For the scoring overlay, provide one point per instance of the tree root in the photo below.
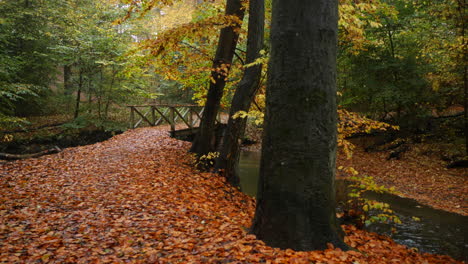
(6, 156)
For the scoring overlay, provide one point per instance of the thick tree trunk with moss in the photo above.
(230, 148)
(296, 195)
(204, 142)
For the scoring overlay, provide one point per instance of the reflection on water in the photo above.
(249, 166)
(437, 232)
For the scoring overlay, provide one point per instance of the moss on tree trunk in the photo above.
(296, 195)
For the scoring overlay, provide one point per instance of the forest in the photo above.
(233, 131)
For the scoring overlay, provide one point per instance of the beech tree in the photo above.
(245, 92)
(221, 64)
(296, 193)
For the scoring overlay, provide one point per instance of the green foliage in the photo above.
(371, 211)
(85, 121)
(26, 62)
(78, 123)
(408, 66)
(39, 38)
(10, 122)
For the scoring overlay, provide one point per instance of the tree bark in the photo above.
(67, 85)
(296, 193)
(245, 92)
(6, 156)
(204, 142)
(78, 95)
(462, 24)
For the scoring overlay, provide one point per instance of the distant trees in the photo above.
(93, 52)
(411, 64)
(43, 41)
(296, 193)
(25, 59)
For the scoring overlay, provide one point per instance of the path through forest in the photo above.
(136, 198)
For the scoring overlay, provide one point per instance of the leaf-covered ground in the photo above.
(415, 176)
(136, 199)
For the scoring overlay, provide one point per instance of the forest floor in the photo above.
(419, 173)
(136, 198)
(415, 175)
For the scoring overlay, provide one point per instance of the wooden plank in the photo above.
(190, 117)
(143, 116)
(141, 120)
(175, 116)
(181, 116)
(199, 114)
(175, 105)
(185, 113)
(163, 115)
(153, 116)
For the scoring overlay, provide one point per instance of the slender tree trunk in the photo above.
(462, 23)
(67, 85)
(204, 142)
(78, 94)
(108, 99)
(245, 92)
(89, 95)
(296, 193)
(465, 115)
(465, 83)
(99, 93)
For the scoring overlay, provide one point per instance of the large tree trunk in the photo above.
(204, 142)
(296, 193)
(245, 92)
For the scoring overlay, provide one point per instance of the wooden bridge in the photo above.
(172, 114)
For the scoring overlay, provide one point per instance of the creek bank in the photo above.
(423, 228)
(43, 140)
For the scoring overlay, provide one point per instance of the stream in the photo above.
(437, 231)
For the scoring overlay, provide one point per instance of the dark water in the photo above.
(437, 232)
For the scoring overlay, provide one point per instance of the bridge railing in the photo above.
(157, 114)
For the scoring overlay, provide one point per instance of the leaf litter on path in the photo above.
(136, 198)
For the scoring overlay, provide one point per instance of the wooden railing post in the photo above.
(172, 117)
(153, 116)
(190, 117)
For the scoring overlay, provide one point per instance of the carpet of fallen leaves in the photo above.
(415, 176)
(136, 199)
